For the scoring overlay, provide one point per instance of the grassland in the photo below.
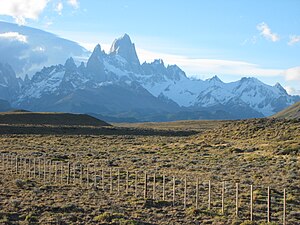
(262, 152)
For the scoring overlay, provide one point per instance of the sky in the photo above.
(230, 39)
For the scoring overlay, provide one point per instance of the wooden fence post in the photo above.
(164, 184)
(50, 170)
(3, 162)
(74, 172)
(209, 195)
(102, 179)
(185, 192)
(197, 192)
(154, 186)
(10, 164)
(284, 207)
(29, 168)
(111, 180)
(40, 174)
(173, 190)
(81, 174)
(34, 168)
(7, 164)
(21, 166)
(251, 202)
(55, 174)
(127, 181)
(146, 186)
(237, 200)
(17, 165)
(69, 173)
(269, 206)
(61, 172)
(44, 170)
(95, 175)
(118, 187)
(136, 183)
(87, 175)
(223, 196)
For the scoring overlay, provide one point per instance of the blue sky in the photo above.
(231, 39)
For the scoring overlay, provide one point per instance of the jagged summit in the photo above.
(95, 64)
(115, 83)
(97, 50)
(280, 88)
(70, 64)
(215, 80)
(126, 49)
(250, 80)
(158, 61)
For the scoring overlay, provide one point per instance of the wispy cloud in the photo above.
(291, 90)
(21, 10)
(292, 74)
(294, 39)
(266, 32)
(74, 3)
(14, 36)
(200, 66)
(59, 7)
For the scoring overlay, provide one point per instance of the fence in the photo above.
(255, 203)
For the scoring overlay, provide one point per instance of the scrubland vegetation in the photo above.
(258, 152)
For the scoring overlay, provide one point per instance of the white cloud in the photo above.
(200, 66)
(291, 90)
(59, 7)
(292, 74)
(74, 3)
(14, 36)
(21, 10)
(294, 39)
(266, 32)
(89, 46)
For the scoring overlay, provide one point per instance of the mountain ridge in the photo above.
(116, 84)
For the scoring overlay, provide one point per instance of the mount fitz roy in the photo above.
(115, 86)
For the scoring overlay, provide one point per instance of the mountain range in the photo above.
(115, 86)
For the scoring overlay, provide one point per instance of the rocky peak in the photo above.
(215, 81)
(9, 83)
(175, 73)
(126, 49)
(280, 88)
(70, 65)
(95, 66)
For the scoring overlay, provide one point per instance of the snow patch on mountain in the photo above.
(121, 71)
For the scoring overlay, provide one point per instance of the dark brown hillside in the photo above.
(47, 118)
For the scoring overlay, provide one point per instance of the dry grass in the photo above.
(259, 152)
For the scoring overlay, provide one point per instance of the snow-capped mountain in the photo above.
(116, 84)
